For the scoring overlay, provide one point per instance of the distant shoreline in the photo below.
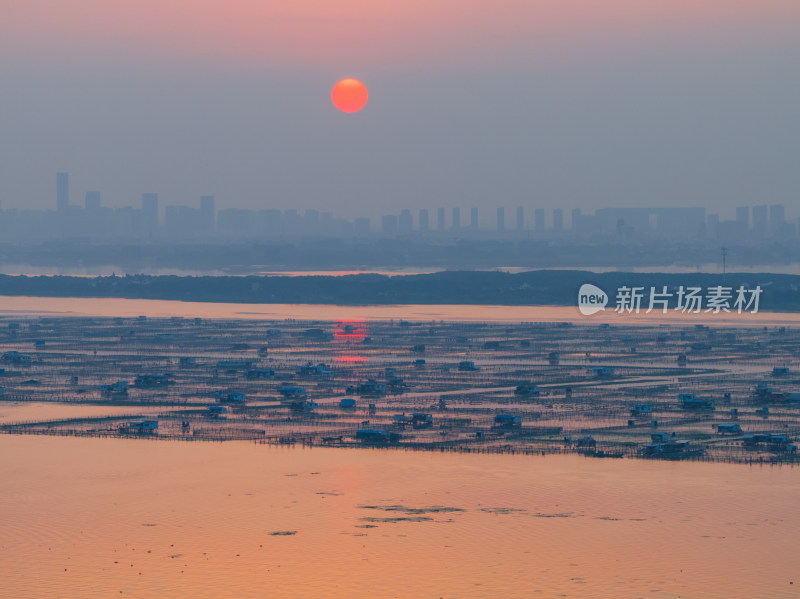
(781, 293)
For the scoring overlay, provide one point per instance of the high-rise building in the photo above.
(405, 224)
(520, 218)
(62, 192)
(538, 219)
(473, 218)
(501, 218)
(92, 200)
(456, 218)
(208, 214)
(150, 213)
(558, 219)
(440, 224)
(423, 220)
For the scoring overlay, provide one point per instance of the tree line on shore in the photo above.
(547, 287)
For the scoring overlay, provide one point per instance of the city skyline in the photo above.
(65, 196)
(155, 219)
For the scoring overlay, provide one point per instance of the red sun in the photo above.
(349, 95)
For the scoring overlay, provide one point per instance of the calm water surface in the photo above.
(117, 307)
(153, 519)
(29, 411)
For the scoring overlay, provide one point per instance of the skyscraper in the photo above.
(440, 224)
(62, 192)
(473, 218)
(520, 218)
(456, 218)
(501, 218)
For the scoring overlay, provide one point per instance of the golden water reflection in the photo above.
(91, 518)
(11, 306)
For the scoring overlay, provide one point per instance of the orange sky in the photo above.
(669, 102)
(348, 32)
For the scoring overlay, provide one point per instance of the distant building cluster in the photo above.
(205, 222)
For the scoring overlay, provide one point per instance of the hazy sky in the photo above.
(566, 103)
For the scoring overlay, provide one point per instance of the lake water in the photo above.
(11, 306)
(95, 518)
(85, 517)
(15, 412)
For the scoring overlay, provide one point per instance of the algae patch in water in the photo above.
(434, 509)
(398, 519)
(502, 510)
